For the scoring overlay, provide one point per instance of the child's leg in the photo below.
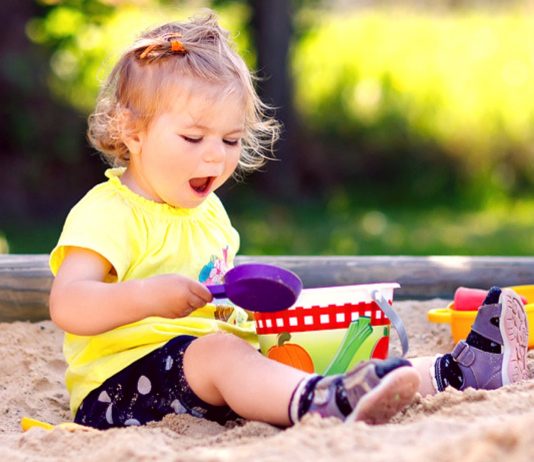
(494, 353)
(223, 369)
(424, 365)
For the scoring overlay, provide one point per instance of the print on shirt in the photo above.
(213, 273)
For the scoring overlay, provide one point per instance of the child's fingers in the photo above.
(195, 302)
(201, 292)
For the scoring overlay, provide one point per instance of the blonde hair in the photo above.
(137, 87)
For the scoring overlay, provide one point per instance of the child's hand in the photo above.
(174, 295)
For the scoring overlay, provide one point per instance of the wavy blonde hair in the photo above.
(138, 86)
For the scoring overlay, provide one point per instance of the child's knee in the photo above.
(215, 347)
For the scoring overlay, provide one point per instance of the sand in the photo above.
(452, 426)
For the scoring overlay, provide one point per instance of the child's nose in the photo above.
(215, 152)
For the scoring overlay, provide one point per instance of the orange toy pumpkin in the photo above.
(291, 354)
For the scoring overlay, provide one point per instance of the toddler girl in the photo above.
(176, 118)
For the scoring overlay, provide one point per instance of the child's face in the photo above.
(189, 150)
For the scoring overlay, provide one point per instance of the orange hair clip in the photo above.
(146, 51)
(177, 47)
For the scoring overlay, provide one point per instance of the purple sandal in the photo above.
(372, 392)
(505, 324)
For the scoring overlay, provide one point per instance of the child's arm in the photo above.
(81, 303)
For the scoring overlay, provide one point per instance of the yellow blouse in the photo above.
(142, 238)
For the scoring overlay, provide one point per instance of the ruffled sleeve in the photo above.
(98, 223)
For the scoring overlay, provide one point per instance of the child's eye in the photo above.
(231, 142)
(191, 139)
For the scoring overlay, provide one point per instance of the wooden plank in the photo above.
(420, 277)
(25, 280)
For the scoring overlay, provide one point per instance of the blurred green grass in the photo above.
(462, 79)
(440, 103)
(339, 227)
(29, 237)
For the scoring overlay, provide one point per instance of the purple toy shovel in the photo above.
(259, 287)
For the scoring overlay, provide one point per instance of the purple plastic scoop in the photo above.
(259, 287)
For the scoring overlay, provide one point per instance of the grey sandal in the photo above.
(504, 323)
(373, 392)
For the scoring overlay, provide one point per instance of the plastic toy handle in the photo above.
(440, 315)
(357, 332)
(217, 290)
(393, 317)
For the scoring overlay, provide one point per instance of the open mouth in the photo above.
(201, 185)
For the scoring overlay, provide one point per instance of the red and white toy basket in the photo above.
(329, 329)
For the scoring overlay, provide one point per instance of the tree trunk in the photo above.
(272, 31)
(17, 80)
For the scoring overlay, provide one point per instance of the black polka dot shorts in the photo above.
(146, 391)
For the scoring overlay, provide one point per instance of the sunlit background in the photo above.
(409, 125)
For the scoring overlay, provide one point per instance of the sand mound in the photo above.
(471, 426)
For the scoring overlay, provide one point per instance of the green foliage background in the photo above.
(416, 126)
(433, 105)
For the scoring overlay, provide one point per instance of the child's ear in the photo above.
(132, 133)
(133, 141)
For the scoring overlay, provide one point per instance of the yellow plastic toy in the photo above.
(27, 422)
(461, 321)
